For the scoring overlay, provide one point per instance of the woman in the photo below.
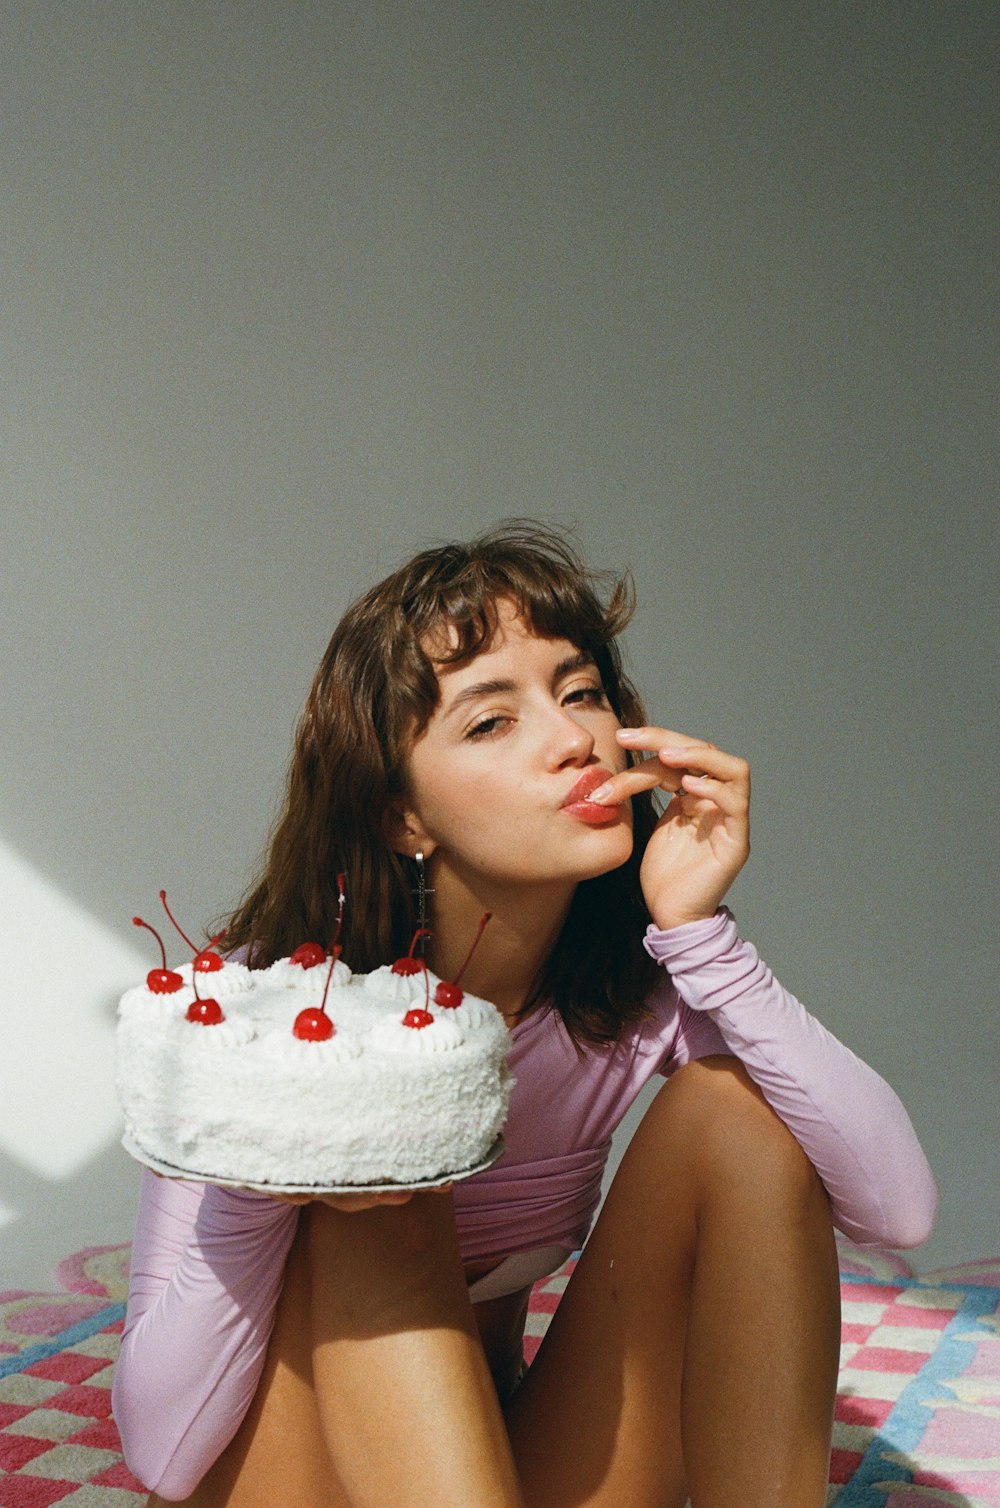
(471, 737)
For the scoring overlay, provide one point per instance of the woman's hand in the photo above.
(702, 840)
(352, 1202)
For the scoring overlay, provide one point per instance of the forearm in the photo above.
(846, 1117)
(207, 1268)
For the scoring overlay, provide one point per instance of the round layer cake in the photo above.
(378, 1101)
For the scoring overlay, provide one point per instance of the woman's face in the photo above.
(489, 780)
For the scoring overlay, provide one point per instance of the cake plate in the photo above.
(168, 1170)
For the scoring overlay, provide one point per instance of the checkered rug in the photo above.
(917, 1417)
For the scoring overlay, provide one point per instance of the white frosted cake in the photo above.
(378, 1085)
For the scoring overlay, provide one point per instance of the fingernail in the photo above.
(601, 794)
(627, 733)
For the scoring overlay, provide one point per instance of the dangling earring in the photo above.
(421, 890)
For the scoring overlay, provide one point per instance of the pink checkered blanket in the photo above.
(917, 1417)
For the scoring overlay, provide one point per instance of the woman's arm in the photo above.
(847, 1119)
(206, 1272)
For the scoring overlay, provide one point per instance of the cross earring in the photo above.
(421, 890)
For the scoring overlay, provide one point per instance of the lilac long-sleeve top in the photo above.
(208, 1262)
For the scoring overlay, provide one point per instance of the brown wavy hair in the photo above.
(373, 694)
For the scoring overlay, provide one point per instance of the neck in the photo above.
(525, 923)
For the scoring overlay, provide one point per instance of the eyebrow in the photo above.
(577, 661)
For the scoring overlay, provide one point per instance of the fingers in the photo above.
(653, 738)
(708, 771)
(676, 749)
(728, 797)
(642, 777)
(349, 1203)
(681, 765)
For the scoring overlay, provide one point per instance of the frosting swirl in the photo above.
(234, 1031)
(231, 979)
(389, 986)
(391, 1035)
(294, 977)
(286, 1048)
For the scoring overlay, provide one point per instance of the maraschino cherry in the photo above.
(449, 994)
(308, 955)
(409, 964)
(204, 961)
(205, 1012)
(162, 981)
(312, 1024)
(418, 1015)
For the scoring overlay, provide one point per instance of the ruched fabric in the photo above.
(518, 1206)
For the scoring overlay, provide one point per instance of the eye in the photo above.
(592, 694)
(488, 726)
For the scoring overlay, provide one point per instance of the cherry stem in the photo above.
(335, 948)
(196, 951)
(420, 932)
(163, 898)
(335, 953)
(137, 921)
(475, 944)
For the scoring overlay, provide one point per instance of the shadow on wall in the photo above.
(65, 1182)
(92, 1206)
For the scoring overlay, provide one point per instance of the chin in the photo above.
(611, 854)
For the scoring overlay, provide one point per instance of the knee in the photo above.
(737, 1144)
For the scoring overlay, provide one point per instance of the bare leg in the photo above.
(376, 1389)
(406, 1400)
(696, 1347)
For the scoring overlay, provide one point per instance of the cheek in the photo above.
(453, 804)
(473, 804)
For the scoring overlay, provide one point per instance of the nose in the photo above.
(569, 742)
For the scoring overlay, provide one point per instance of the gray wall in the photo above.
(291, 290)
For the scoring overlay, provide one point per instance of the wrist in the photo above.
(692, 942)
(665, 922)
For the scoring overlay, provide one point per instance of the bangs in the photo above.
(471, 625)
(455, 602)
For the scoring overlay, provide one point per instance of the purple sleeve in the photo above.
(207, 1268)
(850, 1123)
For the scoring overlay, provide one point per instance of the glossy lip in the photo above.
(577, 805)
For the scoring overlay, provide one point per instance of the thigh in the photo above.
(409, 1409)
(598, 1420)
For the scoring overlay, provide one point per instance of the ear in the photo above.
(405, 833)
